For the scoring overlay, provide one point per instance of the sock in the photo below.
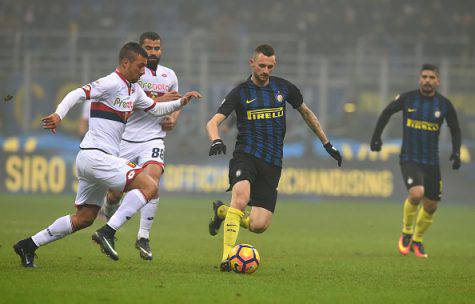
(424, 220)
(245, 221)
(59, 229)
(147, 214)
(223, 209)
(131, 203)
(231, 230)
(409, 215)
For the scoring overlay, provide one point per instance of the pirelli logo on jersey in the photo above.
(265, 113)
(422, 125)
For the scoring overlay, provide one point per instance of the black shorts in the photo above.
(415, 174)
(264, 179)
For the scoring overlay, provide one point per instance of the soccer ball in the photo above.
(244, 258)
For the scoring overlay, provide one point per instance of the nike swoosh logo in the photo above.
(411, 110)
(249, 101)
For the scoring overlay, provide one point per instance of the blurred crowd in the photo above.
(325, 24)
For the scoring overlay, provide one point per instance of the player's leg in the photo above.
(239, 199)
(89, 198)
(413, 178)
(219, 214)
(425, 217)
(260, 219)
(120, 174)
(111, 204)
(147, 214)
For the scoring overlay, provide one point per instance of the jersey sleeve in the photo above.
(98, 90)
(230, 102)
(394, 106)
(453, 123)
(143, 102)
(86, 109)
(295, 97)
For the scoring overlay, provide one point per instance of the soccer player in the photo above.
(98, 166)
(254, 170)
(424, 111)
(142, 141)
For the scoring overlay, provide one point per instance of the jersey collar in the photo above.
(154, 73)
(129, 85)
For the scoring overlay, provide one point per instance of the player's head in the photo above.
(262, 62)
(152, 43)
(132, 61)
(429, 79)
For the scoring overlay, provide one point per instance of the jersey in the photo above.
(142, 126)
(112, 100)
(422, 119)
(260, 113)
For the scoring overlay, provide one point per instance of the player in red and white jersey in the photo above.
(143, 139)
(98, 166)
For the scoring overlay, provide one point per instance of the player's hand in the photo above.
(169, 96)
(188, 96)
(455, 159)
(168, 123)
(217, 147)
(333, 153)
(51, 122)
(376, 144)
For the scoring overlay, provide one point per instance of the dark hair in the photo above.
(149, 35)
(130, 50)
(430, 67)
(264, 49)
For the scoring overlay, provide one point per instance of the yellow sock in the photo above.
(245, 221)
(424, 220)
(409, 215)
(231, 230)
(223, 209)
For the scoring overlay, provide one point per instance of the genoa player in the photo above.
(143, 138)
(98, 166)
(254, 170)
(424, 111)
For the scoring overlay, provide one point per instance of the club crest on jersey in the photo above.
(279, 97)
(437, 114)
(410, 181)
(164, 75)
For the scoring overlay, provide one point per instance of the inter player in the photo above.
(254, 170)
(98, 166)
(424, 111)
(142, 141)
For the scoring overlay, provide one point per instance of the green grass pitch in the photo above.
(329, 252)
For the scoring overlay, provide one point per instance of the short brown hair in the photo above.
(265, 49)
(430, 67)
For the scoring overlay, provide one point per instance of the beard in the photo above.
(152, 62)
(427, 88)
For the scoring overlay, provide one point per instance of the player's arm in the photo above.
(312, 121)
(228, 105)
(169, 122)
(52, 121)
(454, 127)
(217, 144)
(394, 107)
(147, 104)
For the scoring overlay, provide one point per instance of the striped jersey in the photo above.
(422, 119)
(260, 113)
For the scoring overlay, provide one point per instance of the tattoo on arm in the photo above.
(313, 123)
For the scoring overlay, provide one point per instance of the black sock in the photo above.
(30, 244)
(108, 230)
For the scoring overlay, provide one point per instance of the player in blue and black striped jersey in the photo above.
(254, 171)
(424, 111)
